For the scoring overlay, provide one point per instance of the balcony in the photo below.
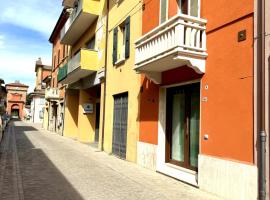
(180, 41)
(81, 17)
(52, 93)
(83, 64)
(62, 73)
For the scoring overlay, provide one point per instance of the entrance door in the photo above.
(183, 123)
(120, 125)
(55, 107)
(15, 113)
(97, 122)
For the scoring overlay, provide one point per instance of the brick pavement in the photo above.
(38, 165)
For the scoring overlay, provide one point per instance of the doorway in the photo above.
(15, 113)
(183, 126)
(120, 116)
(97, 122)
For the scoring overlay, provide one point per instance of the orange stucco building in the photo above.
(16, 99)
(55, 91)
(205, 73)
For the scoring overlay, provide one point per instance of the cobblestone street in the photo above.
(36, 164)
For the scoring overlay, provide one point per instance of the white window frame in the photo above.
(199, 7)
(167, 11)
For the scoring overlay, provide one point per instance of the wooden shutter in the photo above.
(127, 42)
(115, 32)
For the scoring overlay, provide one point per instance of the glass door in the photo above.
(183, 123)
(189, 7)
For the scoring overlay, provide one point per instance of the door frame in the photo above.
(113, 136)
(168, 130)
(163, 104)
(97, 122)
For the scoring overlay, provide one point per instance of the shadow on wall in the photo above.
(41, 179)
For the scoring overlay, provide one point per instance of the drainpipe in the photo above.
(261, 98)
(105, 74)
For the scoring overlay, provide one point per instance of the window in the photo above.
(163, 11)
(189, 7)
(121, 41)
(91, 43)
(54, 61)
(58, 59)
(64, 51)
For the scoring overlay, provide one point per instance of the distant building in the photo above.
(16, 99)
(38, 96)
(55, 91)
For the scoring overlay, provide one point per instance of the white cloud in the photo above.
(17, 52)
(36, 15)
(21, 67)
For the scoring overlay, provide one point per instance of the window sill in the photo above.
(120, 61)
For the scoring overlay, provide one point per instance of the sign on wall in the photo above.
(88, 108)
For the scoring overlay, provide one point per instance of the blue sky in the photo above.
(25, 27)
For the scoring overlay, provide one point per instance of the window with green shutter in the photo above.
(115, 32)
(121, 42)
(127, 38)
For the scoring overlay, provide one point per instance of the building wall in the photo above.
(37, 106)
(45, 122)
(267, 79)
(86, 122)
(229, 70)
(227, 116)
(71, 114)
(16, 95)
(122, 78)
(60, 54)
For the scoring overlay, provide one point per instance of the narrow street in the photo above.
(36, 164)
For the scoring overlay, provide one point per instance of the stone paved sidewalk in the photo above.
(36, 164)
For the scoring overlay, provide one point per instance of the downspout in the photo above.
(261, 98)
(105, 74)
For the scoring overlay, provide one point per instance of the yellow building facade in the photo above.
(85, 32)
(122, 83)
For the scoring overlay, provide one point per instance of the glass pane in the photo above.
(194, 7)
(91, 43)
(183, 6)
(194, 128)
(178, 127)
(163, 10)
